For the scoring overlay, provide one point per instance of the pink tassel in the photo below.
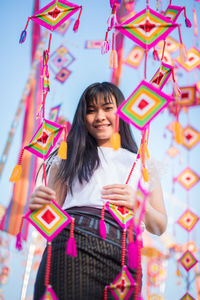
(71, 243)
(105, 47)
(102, 230)
(18, 244)
(132, 255)
(76, 26)
(71, 247)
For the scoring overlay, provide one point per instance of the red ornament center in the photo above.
(43, 138)
(143, 103)
(158, 79)
(54, 13)
(121, 285)
(147, 27)
(48, 217)
(188, 136)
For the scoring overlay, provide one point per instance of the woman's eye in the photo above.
(89, 111)
(108, 108)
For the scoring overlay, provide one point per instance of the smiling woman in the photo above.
(93, 174)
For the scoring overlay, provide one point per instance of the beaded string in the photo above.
(48, 265)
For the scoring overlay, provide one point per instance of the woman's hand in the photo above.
(120, 194)
(42, 195)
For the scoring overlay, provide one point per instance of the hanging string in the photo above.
(123, 246)
(48, 265)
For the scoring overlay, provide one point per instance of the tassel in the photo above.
(182, 52)
(105, 293)
(145, 174)
(18, 244)
(24, 33)
(62, 151)
(113, 54)
(123, 246)
(155, 54)
(71, 243)
(76, 25)
(115, 140)
(187, 21)
(16, 173)
(105, 46)
(102, 229)
(23, 37)
(132, 255)
(113, 59)
(112, 20)
(178, 133)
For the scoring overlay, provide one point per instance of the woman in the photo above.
(92, 174)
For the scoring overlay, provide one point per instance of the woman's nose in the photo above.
(100, 115)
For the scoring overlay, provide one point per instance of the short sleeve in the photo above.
(53, 165)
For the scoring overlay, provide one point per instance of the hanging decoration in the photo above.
(60, 58)
(187, 178)
(192, 61)
(94, 44)
(135, 57)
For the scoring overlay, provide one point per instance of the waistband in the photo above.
(87, 219)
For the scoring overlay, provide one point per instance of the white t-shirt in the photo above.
(114, 168)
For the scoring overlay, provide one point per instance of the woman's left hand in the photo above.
(119, 194)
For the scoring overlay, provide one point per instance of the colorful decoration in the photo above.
(64, 27)
(44, 139)
(143, 105)
(187, 260)
(188, 178)
(147, 28)
(63, 74)
(54, 113)
(161, 76)
(135, 57)
(49, 220)
(49, 294)
(172, 12)
(190, 137)
(188, 220)
(93, 44)
(55, 13)
(193, 60)
(60, 58)
(121, 214)
(187, 97)
(171, 45)
(155, 297)
(153, 267)
(187, 296)
(122, 286)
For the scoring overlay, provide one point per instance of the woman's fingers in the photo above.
(41, 196)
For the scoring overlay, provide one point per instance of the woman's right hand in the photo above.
(41, 195)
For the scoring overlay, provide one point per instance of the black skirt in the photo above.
(97, 264)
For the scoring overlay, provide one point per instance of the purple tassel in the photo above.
(18, 244)
(188, 23)
(71, 247)
(22, 37)
(102, 229)
(76, 25)
(132, 255)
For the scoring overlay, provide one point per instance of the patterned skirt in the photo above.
(97, 264)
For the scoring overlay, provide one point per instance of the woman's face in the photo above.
(100, 120)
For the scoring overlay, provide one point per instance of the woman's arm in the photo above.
(44, 194)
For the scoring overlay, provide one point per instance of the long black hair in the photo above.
(82, 154)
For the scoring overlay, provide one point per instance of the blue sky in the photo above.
(90, 66)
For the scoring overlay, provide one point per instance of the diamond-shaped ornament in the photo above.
(153, 267)
(121, 214)
(188, 178)
(123, 285)
(190, 137)
(188, 260)
(193, 60)
(135, 57)
(44, 139)
(147, 28)
(171, 45)
(60, 58)
(143, 105)
(188, 220)
(49, 220)
(187, 296)
(63, 74)
(161, 76)
(155, 297)
(49, 294)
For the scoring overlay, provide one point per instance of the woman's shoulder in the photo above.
(54, 161)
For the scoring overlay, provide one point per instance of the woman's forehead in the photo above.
(101, 99)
